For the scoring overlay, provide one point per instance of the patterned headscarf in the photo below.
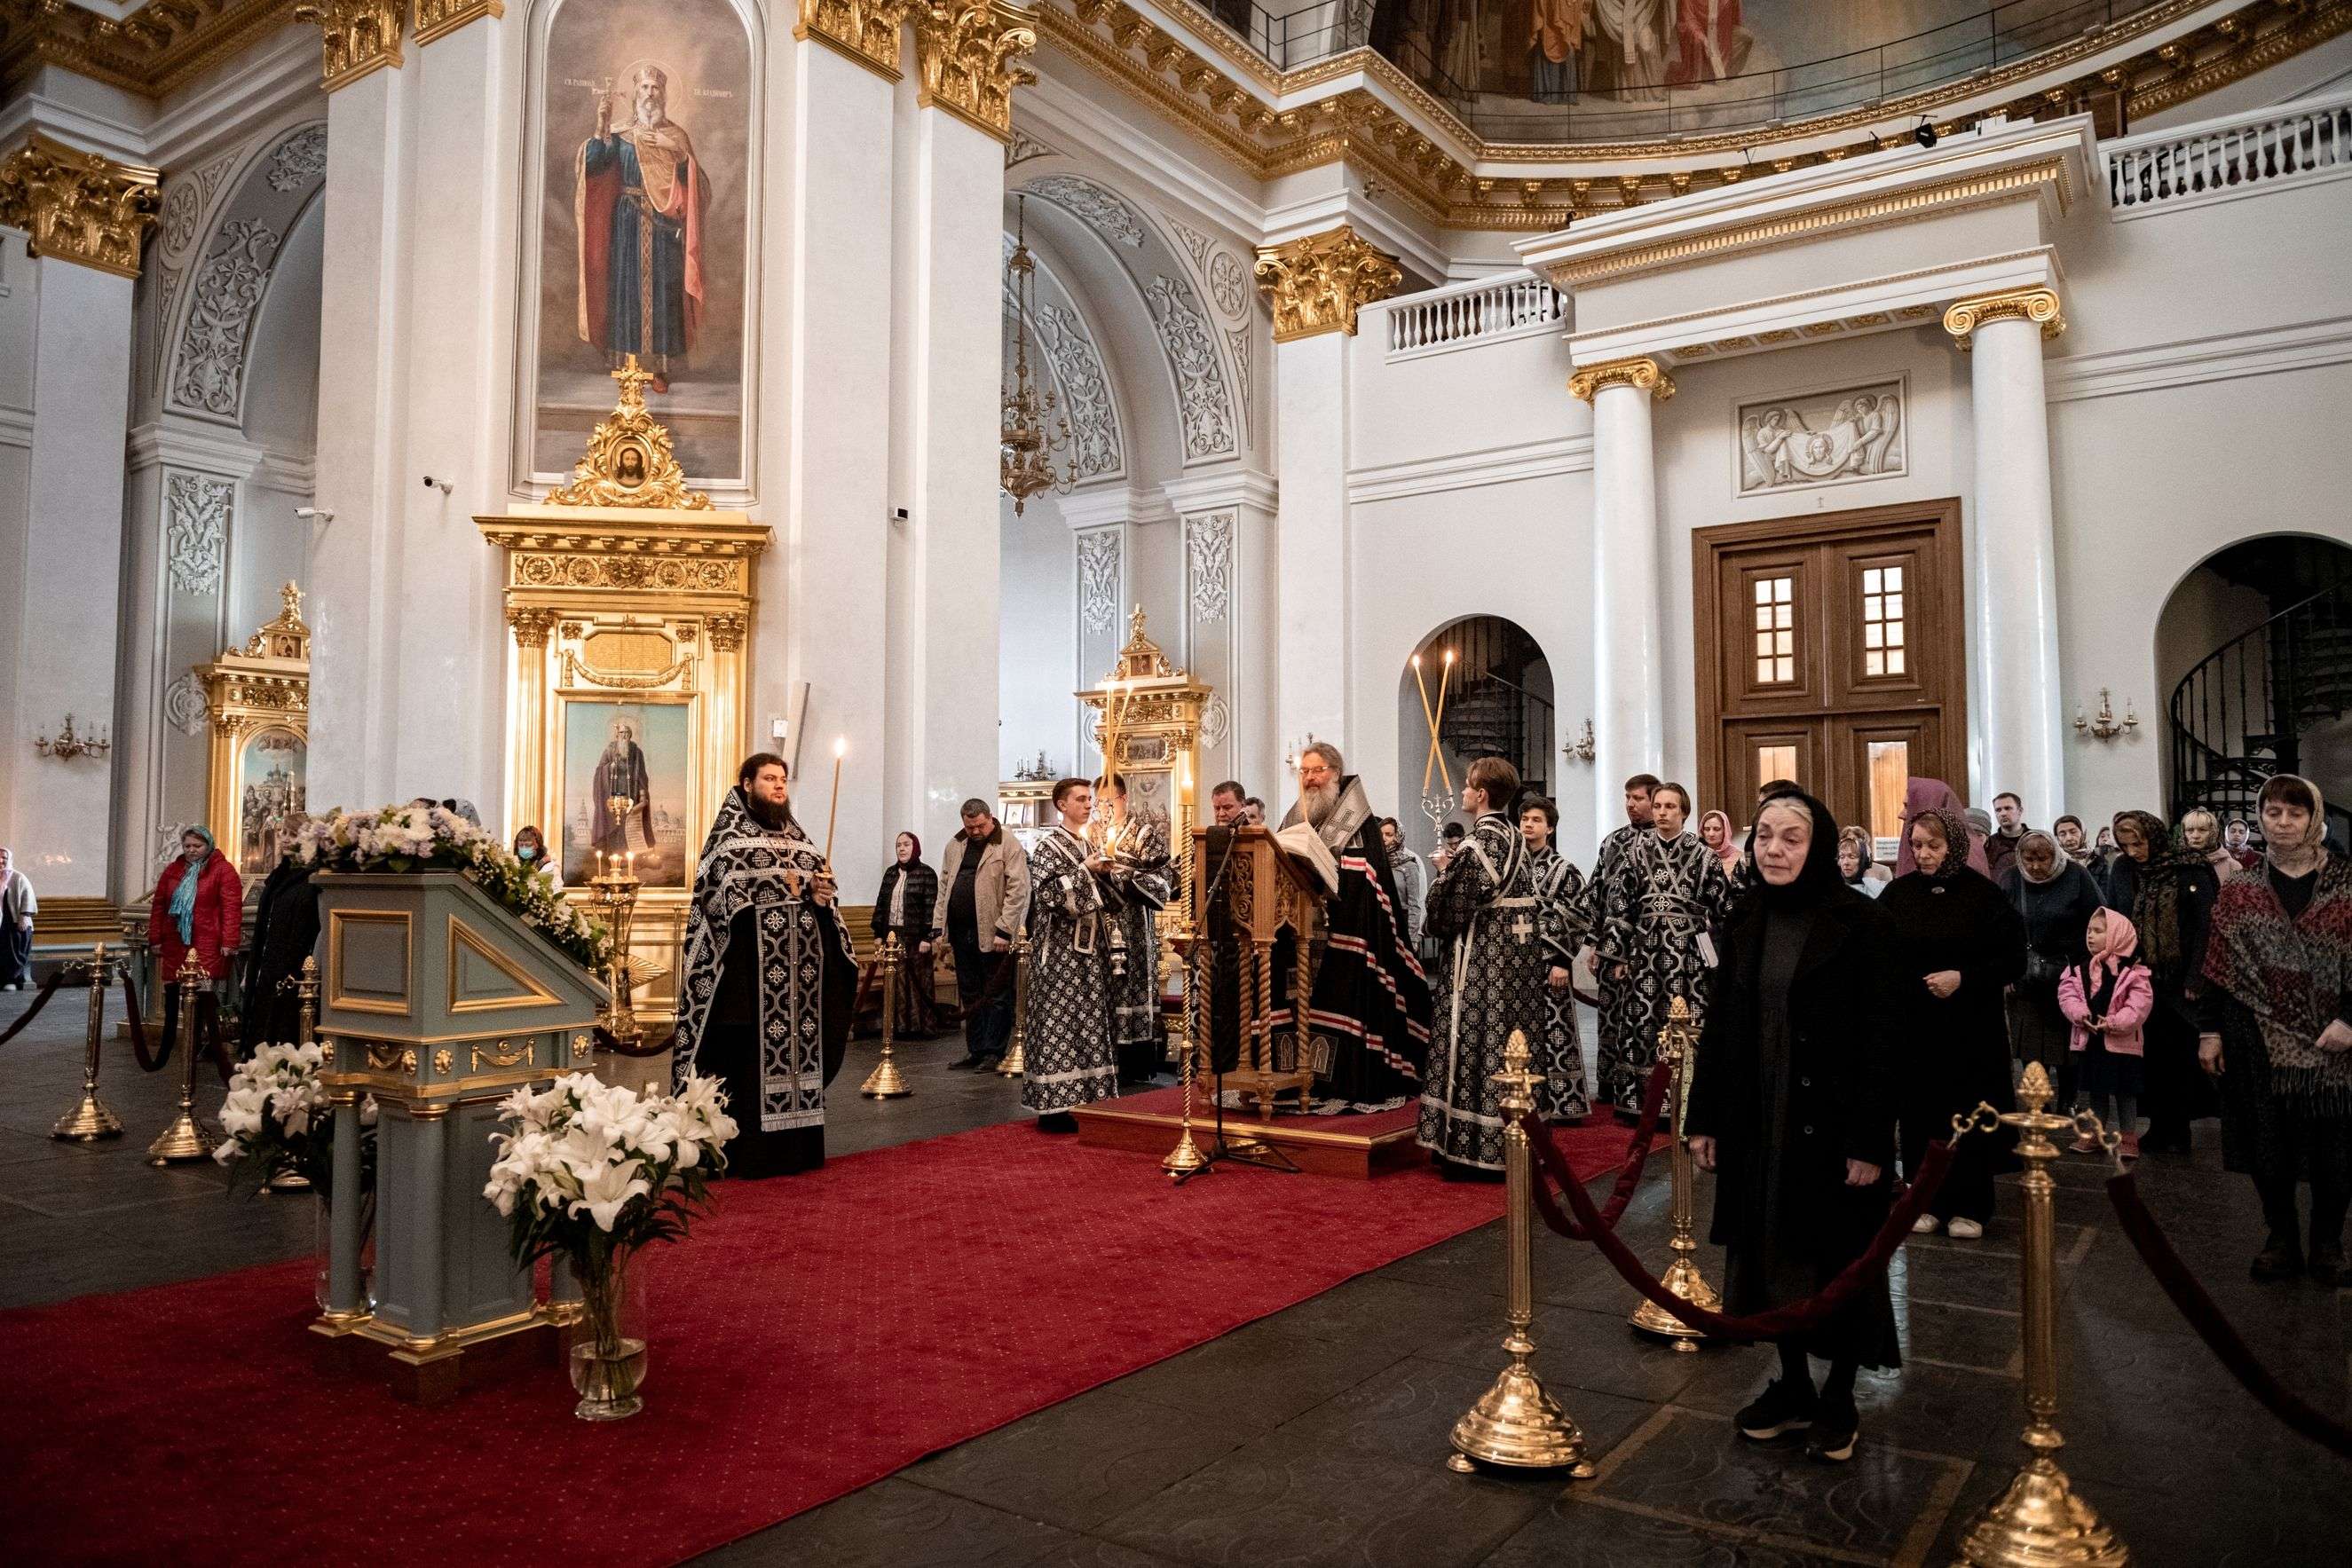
(2058, 860)
(1954, 827)
(2156, 903)
(2314, 837)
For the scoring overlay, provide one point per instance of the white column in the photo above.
(833, 566)
(71, 572)
(955, 220)
(2017, 705)
(1628, 724)
(1229, 542)
(1315, 616)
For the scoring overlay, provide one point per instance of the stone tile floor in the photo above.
(1318, 1435)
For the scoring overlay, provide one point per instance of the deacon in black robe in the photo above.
(284, 932)
(770, 979)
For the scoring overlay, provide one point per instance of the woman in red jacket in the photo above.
(199, 907)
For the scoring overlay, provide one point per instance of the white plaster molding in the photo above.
(1101, 556)
(183, 444)
(276, 77)
(1468, 470)
(1209, 566)
(1212, 489)
(1073, 114)
(1419, 251)
(2046, 163)
(294, 473)
(1097, 507)
(196, 516)
(15, 426)
(1868, 305)
(122, 135)
(1205, 402)
(2194, 361)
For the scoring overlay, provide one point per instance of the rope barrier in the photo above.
(40, 1000)
(208, 1023)
(2147, 1238)
(1781, 1323)
(1629, 1175)
(139, 1027)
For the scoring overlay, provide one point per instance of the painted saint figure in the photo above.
(639, 206)
(621, 775)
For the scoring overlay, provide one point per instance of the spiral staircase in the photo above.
(2250, 709)
(1492, 710)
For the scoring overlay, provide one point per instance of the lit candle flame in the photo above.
(840, 746)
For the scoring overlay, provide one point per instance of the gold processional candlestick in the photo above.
(1186, 1158)
(305, 986)
(1682, 1275)
(1515, 1423)
(1436, 808)
(2040, 1519)
(186, 1138)
(613, 893)
(886, 1081)
(1016, 1060)
(89, 1120)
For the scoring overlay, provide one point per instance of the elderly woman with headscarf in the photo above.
(198, 907)
(1958, 945)
(17, 907)
(2075, 844)
(1791, 1102)
(2167, 891)
(1934, 795)
(1857, 860)
(2056, 899)
(2276, 1012)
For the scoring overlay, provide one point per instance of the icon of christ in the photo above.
(638, 207)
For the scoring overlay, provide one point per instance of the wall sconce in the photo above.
(2105, 726)
(1582, 747)
(68, 746)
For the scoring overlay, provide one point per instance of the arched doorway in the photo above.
(2253, 653)
(1498, 700)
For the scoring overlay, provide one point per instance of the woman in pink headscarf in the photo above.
(1934, 794)
(1715, 832)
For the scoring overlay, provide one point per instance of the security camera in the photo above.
(433, 484)
(901, 514)
(314, 514)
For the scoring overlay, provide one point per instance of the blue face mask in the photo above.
(527, 853)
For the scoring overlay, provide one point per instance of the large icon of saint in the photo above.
(639, 205)
(620, 794)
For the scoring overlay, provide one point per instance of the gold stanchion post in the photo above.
(1515, 1423)
(886, 1081)
(1186, 1158)
(1016, 1060)
(186, 1138)
(1675, 1044)
(306, 996)
(89, 1120)
(2040, 1520)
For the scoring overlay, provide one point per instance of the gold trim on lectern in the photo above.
(472, 941)
(337, 920)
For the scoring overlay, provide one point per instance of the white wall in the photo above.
(17, 302)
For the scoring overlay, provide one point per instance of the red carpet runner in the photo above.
(816, 1334)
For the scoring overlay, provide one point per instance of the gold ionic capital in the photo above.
(1641, 372)
(355, 37)
(2038, 304)
(79, 207)
(439, 18)
(865, 31)
(1317, 283)
(971, 55)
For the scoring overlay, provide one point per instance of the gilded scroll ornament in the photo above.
(2036, 305)
(629, 462)
(1318, 283)
(79, 207)
(530, 626)
(726, 631)
(1641, 372)
(355, 37)
(864, 30)
(436, 18)
(970, 51)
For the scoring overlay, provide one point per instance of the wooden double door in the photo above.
(1832, 651)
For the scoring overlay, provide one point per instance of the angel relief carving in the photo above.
(1853, 433)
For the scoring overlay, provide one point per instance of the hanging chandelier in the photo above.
(1032, 431)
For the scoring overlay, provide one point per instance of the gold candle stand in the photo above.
(2040, 1522)
(186, 1138)
(1186, 1158)
(613, 895)
(305, 986)
(1016, 1061)
(1516, 1423)
(886, 1081)
(89, 1120)
(1681, 1277)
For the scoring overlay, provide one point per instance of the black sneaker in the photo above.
(1783, 1407)
(966, 1064)
(2327, 1265)
(1836, 1425)
(2280, 1259)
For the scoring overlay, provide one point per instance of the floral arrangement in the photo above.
(418, 838)
(275, 1118)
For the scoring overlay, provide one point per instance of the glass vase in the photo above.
(608, 1343)
(322, 1244)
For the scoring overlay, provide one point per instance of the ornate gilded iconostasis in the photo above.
(1146, 724)
(258, 701)
(630, 599)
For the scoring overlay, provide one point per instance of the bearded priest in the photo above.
(1369, 1010)
(770, 979)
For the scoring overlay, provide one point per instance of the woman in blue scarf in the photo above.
(199, 907)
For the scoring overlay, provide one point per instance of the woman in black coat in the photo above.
(910, 890)
(1958, 945)
(2168, 890)
(2056, 899)
(1790, 1101)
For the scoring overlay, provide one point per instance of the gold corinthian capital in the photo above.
(77, 205)
(2040, 305)
(355, 37)
(1318, 283)
(864, 30)
(1641, 372)
(969, 52)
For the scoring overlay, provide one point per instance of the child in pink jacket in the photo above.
(2107, 998)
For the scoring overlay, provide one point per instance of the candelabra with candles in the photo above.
(69, 745)
(613, 894)
(1436, 808)
(1016, 1054)
(2105, 726)
(1681, 1277)
(1583, 747)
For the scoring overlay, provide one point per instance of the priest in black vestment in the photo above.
(770, 981)
(284, 932)
(1370, 1000)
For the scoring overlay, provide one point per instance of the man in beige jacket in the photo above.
(984, 899)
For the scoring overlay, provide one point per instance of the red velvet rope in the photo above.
(2147, 1238)
(40, 1000)
(1629, 1175)
(1781, 1323)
